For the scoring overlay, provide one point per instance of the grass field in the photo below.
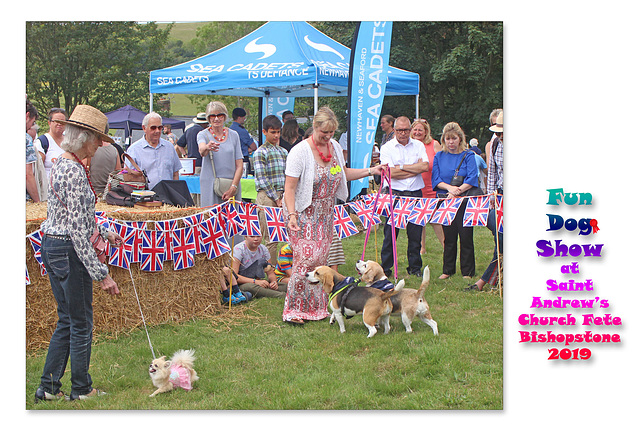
(250, 359)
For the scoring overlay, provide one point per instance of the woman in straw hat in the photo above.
(70, 259)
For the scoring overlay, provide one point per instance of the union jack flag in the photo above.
(184, 248)
(447, 211)
(499, 213)
(275, 224)
(422, 211)
(233, 222)
(101, 218)
(36, 243)
(138, 227)
(166, 227)
(402, 210)
(28, 278)
(152, 250)
(476, 211)
(121, 256)
(365, 213)
(193, 222)
(343, 223)
(248, 213)
(213, 238)
(383, 205)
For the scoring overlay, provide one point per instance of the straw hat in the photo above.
(200, 118)
(88, 117)
(499, 124)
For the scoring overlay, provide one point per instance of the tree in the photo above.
(103, 64)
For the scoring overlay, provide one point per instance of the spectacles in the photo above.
(403, 130)
(154, 128)
(217, 116)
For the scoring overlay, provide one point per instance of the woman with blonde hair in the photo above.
(421, 130)
(455, 156)
(222, 157)
(315, 175)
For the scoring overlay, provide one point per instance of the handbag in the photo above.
(220, 185)
(458, 180)
(129, 179)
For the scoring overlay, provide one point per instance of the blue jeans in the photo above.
(72, 288)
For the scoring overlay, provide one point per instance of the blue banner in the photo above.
(367, 83)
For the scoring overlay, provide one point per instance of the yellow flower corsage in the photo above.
(335, 169)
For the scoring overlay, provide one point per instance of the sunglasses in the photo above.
(217, 116)
(154, 128)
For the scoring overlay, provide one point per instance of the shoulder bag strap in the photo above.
(462, 160)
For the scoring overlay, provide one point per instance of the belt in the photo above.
(54, 236)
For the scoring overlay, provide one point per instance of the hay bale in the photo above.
(166, 296)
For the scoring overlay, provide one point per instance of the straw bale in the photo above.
(166, 296)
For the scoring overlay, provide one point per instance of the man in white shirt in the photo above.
(407, 159)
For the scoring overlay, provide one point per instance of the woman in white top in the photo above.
(315, 176)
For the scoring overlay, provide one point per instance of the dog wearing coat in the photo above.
(407, 303)
(175, 373)
(346, 299)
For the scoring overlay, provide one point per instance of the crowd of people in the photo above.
(305, 174)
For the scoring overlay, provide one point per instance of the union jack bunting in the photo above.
(138, 227)
(184, 248)
(383, 205)
(213, 238)
(401, 211)
(422, 211)
(193, 222)
(248, 214)
(343, 223)
(36, 243)
(152, 250)
(166, 227)
(276, 226)
(100, 218)
(476, 212)
(233, 222)
(121, 256)
(27, 277)
(365, 213)
(499, 213)
(447, 211)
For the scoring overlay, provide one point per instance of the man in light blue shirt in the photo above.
(154, 155)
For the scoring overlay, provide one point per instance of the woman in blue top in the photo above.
(454, 153)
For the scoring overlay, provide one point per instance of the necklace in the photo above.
(86, 171)
(219, 139)
(324, 158)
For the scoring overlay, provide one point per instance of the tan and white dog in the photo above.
(349, 300)
(408, 303)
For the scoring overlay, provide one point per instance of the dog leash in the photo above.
(142, 314)
(385, 177)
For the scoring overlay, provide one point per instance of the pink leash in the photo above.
(385, 177)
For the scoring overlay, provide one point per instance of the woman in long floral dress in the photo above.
(315, 176)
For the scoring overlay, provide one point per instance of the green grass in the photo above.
(250, 359)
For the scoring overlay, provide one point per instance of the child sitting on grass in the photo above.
(236, 296)
(250, 258)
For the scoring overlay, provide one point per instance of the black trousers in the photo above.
(467, 252)
(414, 237)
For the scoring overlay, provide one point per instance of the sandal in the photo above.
(473, 287)
(444, 276)
(295, 321)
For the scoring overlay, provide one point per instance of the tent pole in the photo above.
(150, 102)
(315, 98)
(417, 107)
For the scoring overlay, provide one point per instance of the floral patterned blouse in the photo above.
(71, 212)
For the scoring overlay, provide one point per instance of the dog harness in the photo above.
(346, 285)
(384, 285)
(180, 377)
